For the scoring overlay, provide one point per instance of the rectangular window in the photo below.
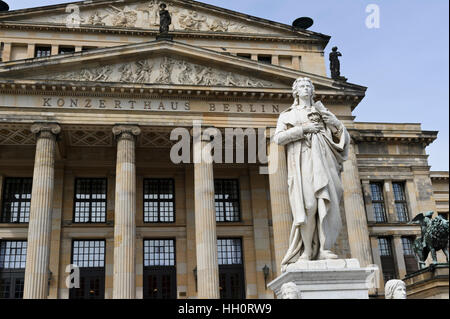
(90, 200)
(410, 258)
(267, 59)
(159, 269)
(400, 202)
(66, 50)
(379, 209)
(231, 268)
(16, 200)
(244, 55)
(89, 256)
(227, 200)
(387, 258)
(13, 256)
(42, 51)
(159, 201)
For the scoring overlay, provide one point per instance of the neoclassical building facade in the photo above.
(89, 97)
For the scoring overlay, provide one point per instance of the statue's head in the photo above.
(163, 6)
(334, 49)
(303, 88)
(290, 291)
(395, 289)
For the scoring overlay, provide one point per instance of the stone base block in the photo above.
(324, 279)
(428, 283)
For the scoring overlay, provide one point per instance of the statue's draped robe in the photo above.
(314, 165)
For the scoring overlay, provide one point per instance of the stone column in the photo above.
(205, 225)
(6, 53)
(39, 227)
(358, 232)
(279, 201)
(399, 256)
(124, 278)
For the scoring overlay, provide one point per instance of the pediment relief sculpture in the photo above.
(146, 15)
(162, 70)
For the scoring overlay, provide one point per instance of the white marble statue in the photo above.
(395, 289)
(316, 146)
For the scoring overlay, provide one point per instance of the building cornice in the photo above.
(254, 37)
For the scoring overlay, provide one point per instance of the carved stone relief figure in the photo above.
(152, 10)
(184, 76)
(96, 19)
(144, 71)
(191, 20)
(127, 74)
(165, 71)
(162, 70)
(125, 17)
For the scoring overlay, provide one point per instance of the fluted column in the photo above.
(39, 227)
(279, 201)
(124, 280)
(358, 232)
(205, 225)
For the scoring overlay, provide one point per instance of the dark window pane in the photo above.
(159, 269)
(66, 50)
(387, 258)
(12, 269)
(42, 51)
(229, 251)
(379, 209)
(159, 253)
(88, 253)
(400, 202)
(90, 200)
(16, 200)
(159, 201)
(13, 254)
(227, 201)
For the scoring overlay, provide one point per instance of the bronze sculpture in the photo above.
(335, 65)
(434, 237)
(165, 20)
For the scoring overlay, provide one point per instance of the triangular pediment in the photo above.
(187, 15)
(164, 63)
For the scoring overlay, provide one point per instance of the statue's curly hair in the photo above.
(297, 83)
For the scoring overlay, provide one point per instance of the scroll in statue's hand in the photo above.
(331, 119)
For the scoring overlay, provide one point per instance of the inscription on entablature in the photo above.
(130, 104)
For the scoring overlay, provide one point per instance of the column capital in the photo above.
(127, 132)
(46, 130)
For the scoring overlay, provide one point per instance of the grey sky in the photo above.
(404, 63)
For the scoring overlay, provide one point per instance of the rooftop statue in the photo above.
(317, 145)
(434, 237)
(335, 65)
(165, 20)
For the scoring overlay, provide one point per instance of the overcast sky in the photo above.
(404, 63)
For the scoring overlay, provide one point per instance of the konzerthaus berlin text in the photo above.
(89, 96)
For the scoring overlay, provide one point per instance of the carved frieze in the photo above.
(145, 15)
(164, 70)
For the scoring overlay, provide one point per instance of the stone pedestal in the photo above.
(326, 279)
(428, 283)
